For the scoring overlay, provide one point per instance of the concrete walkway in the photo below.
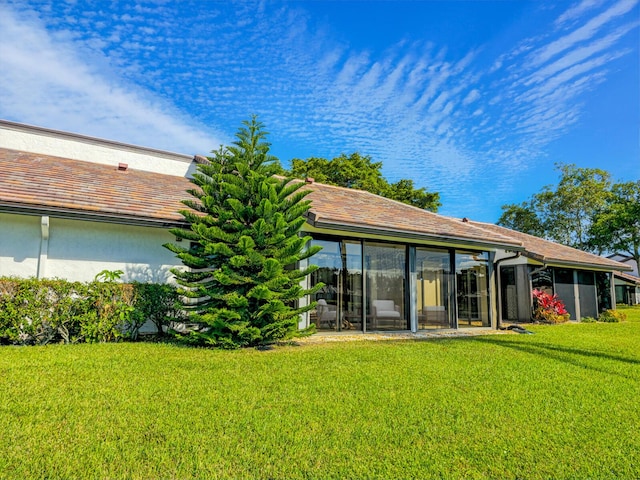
(326, 337)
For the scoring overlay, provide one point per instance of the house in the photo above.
(627, 285)
(627, 260)
(627, 288)
(582, 280)
(72, 206)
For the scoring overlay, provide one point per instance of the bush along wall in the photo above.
(38, 312)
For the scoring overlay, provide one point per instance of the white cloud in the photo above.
(576, 11)
(471, 97)
(577, 55)
(583, 33)
(43, 81)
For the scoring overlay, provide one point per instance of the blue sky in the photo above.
(474, 99)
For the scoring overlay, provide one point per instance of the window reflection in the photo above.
(472, 288)
(386, 279)
(433, 286)
(339, 301)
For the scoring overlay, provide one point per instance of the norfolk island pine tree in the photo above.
(242, 284)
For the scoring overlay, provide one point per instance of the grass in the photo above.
(563, 403)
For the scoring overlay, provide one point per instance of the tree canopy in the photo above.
(584, 210)
(242, 281)
(617, 226)
(358, 171)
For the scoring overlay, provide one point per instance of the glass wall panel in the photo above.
(509, 293)
(339, 301)
(385, 270)
(352, 281)
(564, 288)
(472, 289)
(563, 275)
(329, 263)
(603, 285)
(433, 288)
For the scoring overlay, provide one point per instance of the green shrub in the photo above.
(158, 303)
(588, 320)
(38, 312)
(612, 316)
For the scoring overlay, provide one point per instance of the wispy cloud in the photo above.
(444, 119)
(576, 11)
(44, 81)
(585, 32)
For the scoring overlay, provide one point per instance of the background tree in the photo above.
(617, 227)
(404, 191)
(568, 211)
(242, 282)
(357, 171)
(563, 213)
(523, 218)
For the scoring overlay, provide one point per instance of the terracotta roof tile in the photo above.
(43, 181)
(357, 208)
(551, 252)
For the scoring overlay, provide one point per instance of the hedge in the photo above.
(37, 312)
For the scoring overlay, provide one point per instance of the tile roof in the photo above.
(75, 186)
(627, 277)
(551, 252)
(44, 182)
(340, 207)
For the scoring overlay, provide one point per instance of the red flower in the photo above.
(549, 307)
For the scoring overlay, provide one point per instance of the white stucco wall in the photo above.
(19, 245)
(26, 138)
(79, 250)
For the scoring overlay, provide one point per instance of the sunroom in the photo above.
(373, 285)
(387, 266)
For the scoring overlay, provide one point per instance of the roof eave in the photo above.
(551, 262)
(628, 279)
(104, 217)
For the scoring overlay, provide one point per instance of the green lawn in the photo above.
(563, 403)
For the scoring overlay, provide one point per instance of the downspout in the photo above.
(44, 246)
(496, 266)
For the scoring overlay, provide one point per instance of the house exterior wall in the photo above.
(79, 147)
(78, 250)
(626, 292)
(20, 240)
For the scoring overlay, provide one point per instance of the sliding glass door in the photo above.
(385, 267)
(472, 289)
(366, 287)
(433, 288)
(339, 301)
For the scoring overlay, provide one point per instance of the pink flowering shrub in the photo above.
(548, 308)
